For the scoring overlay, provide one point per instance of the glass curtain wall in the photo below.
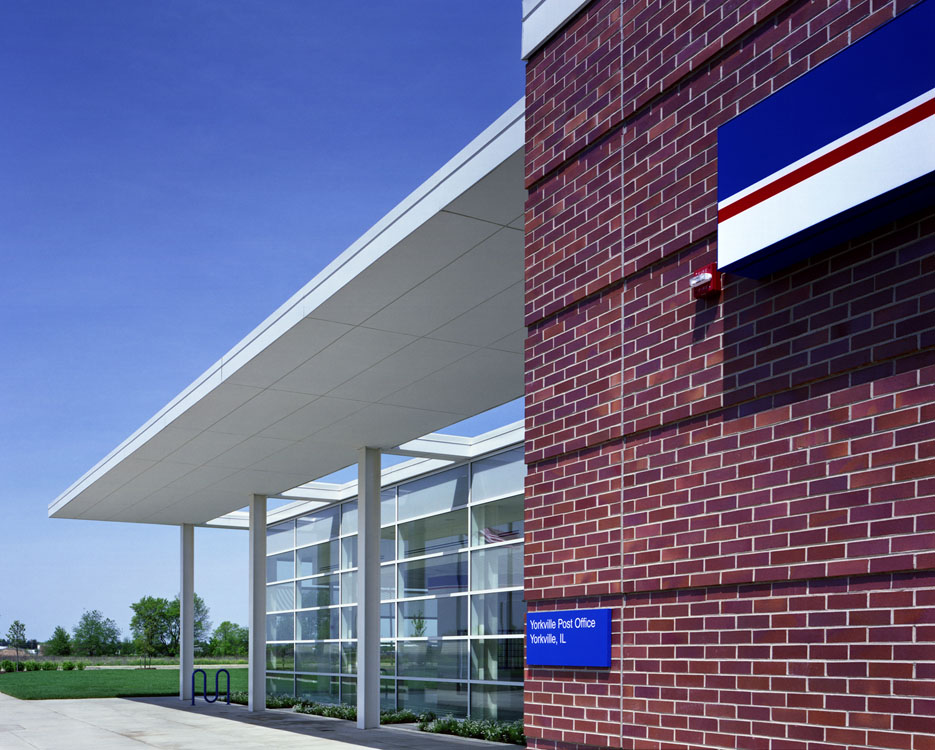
(452, 609)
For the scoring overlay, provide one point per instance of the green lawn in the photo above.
(106, 683)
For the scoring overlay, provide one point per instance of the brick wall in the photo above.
(573, 353)
(750, 482)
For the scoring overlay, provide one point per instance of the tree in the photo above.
(59, 644)
(202, 627)
(151, 625)
(17, 638)
(229, 639)
(155, 624)
(95, 635)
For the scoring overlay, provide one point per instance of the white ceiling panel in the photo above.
(430, 248)
(486, 378)
(199, 479)
(489, 267)
(294, 347)
(164, 443)
(117, 477)
(266, 408)
(266, 482)
(205, 412)
(139, 512)
(498, 197)
(205, 446)
(161, 474)
(356, 351)
(381, 425)
(422, 357)
(250, 451)
(483, 325)
(307, 458)
(512, 342)
(318, 415)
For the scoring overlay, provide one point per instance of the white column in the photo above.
(257, 606)
(368, 588)
(186, 610)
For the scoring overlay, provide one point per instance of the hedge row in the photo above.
(39, 666)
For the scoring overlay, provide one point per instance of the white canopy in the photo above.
(416, 326)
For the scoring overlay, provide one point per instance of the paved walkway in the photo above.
(167, 723)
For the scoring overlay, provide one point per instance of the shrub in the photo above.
(403, 716)
(492, 731)
(30, 666)
(281, 701)
(48, 666)
(7, 666)
(80, 665)
(326, 709)
(272, 701)
(68, 665)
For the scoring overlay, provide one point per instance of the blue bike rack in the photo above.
(217, 691)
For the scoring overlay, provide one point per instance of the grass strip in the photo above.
(107, 683)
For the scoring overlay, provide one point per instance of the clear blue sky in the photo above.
(170, 172)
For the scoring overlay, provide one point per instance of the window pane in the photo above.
(387, 695)
(349, 518)
(502, 613)
(497, 521)
(387, 620)
(498, 475)
(280, 686)
(442, 533)
(317, 625)
(433, 618)
(435, 493)
(442, 698)
(317, 657)
(497, 568)
(387, 658)
(280, 656)
(388, 506)
(349, 588)
(322, 558)
(349, 691)
(317, 527)
(387, 544)
(437, 575)
(321, 688)
(318, 592)
(388, 582)
(349, 657)
(433, 659)
(349, 552)
(279, 627)
(280, 567)
(279, 597)
(497, 659)
(280, 537)
(498, 702)
(349, 622)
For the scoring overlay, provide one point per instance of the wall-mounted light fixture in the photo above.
(705, 281)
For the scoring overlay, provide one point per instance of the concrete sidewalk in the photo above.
(167, 723)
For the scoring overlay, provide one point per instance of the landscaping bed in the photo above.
(481, 729)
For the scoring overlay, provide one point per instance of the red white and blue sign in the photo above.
(837, 152)
(568, 638)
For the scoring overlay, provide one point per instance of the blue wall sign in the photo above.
(568, 638)
(839, 151)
